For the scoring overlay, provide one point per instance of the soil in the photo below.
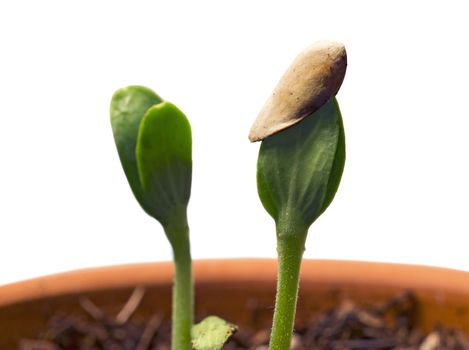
(389, 326)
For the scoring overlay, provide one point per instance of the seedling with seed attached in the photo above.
(300, 164)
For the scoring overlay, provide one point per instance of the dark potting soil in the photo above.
(387, 326)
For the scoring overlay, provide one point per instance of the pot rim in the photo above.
(340, 272)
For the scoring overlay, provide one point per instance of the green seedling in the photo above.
(298, 173)
(300, 164)
(154, 143)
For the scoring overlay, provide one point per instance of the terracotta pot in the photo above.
(230, 288)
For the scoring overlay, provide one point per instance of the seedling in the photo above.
(154, 143)
(300, 164)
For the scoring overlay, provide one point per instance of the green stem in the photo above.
(290, 247)
(183, 299)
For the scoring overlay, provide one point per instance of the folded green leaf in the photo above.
(211, 333)
(164, 161)
(128, 106)
(299, 169)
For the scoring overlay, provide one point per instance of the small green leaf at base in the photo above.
(211, 333)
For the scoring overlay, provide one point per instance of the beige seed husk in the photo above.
(312, 79)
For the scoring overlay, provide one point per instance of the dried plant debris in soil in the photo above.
(383, 327)
(349, 327)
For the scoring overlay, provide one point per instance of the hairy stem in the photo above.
(182, 306)
(290, 247)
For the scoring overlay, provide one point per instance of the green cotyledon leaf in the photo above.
(164, 161)
(299, 169)
(211, 333)
(128, 106)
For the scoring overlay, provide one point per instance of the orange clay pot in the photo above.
(232, 289)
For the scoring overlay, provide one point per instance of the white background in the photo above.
(65, 202)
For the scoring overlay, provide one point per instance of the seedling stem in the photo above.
(182, 308)
(290, 248)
